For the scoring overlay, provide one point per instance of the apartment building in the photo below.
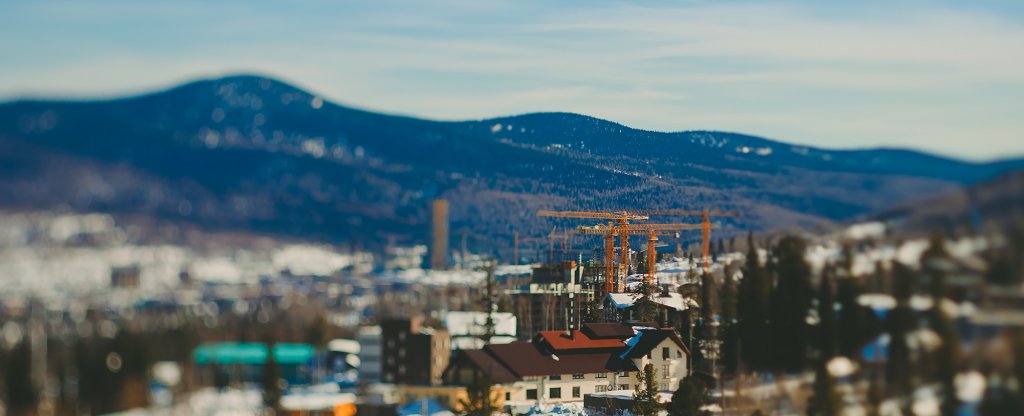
(413, 353)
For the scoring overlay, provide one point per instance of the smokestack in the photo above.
(439, 235)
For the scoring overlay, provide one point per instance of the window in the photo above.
(555, 393)
(623, 386)
(624, 374)
(600, 388)
(679, 353)
(508, 396)
(576, 392)
(531, 394)
(648, 355)
(602, 375)
(665, 370)
(665, 353)
(577, 376)
(554, 377)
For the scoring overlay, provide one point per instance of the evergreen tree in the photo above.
(730, 331)
(22, 397)
(825, 401)
(753, 307)
(1000, 401)
(853, 319)
(481, 400)
(271, 379)
(644, 306)
(828, 330)
(488, 302)
(946, 358)
(708, 297)
(791, 302)
(688, 399)
(899, 323)
(645, 394)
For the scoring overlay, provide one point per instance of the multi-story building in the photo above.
(413, 353)
(565, 366)
(369, 339)
(555, 297)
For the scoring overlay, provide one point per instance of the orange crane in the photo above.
(653, 231)
(621, 218)
(516, 240)
(608, 232)
(705, 217)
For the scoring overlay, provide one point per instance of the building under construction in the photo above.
(555, 297)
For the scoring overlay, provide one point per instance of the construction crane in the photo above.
(705, 217)
(653, 230)
(550, 238)
(608, 233)
(622, 218)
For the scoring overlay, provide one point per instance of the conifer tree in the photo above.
(828, 330)
(688, 399)
(645, 308)
(899, 323)
(754, 292)
(271, 378)
(481, 400)
(791, 302)
(645, 394)
(708, 297)
(825, 400)
(488, 302)
(730, 331)
(22, 396)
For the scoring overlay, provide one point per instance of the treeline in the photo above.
(782, 319)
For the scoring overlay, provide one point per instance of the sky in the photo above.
(942, 76)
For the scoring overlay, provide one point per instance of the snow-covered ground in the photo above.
(46, 256)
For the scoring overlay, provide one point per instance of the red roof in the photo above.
(524, 359)
(561, 341)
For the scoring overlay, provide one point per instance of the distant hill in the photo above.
(996, 203)
(252, 153)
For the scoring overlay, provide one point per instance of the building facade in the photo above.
(412, 353)
(565, 366)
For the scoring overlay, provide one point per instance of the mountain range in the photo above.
(254, 154)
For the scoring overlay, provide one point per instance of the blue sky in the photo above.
(942, 76)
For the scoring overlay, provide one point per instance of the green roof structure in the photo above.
(251, 353)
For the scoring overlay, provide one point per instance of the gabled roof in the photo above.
(490, 366)
(608, 330)
(525, 360)
(562, 342)
(648, 339)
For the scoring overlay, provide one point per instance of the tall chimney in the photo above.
(439, 234)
